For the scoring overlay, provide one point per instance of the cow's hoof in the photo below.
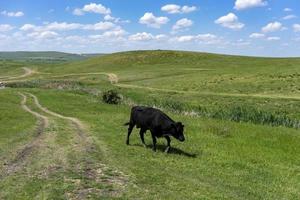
(154, 150)
(127, 142)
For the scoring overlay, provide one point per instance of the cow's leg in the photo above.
(168, 144)
(129, 132)
(142, 132)
(154, 141)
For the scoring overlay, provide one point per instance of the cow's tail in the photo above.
(127, 123)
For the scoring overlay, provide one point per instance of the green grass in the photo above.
(236, 111)
(46, 56)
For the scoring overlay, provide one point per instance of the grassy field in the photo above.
(60, 141)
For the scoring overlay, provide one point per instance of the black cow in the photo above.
(159, 124)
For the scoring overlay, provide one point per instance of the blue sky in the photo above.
(243, 27)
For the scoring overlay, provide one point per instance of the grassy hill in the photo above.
(60, 141)
(46, 56)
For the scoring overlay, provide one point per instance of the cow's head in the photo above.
(178, 131)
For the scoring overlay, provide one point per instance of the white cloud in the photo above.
(146, 37)
(201, 38)
(182, 23)
(296, 27)
(109, 18)
(230, 21)
(12, 14)
(92, 8)
(273, 38)
(245, 4)
(188, 9)
(5, 27)
(115, 33)
(63, 26)
(171, 8)
(287, 10)
(141, 37)
(99, 26)
(176, 9)
(43, 35)
(257, 35)
(28, 27)
(115, 19)
(289, 17)
(272, 27)
(155, 22)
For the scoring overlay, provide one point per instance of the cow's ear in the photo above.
(180, 124)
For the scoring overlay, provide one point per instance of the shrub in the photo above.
(112, 97)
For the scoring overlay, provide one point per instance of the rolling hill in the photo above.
(59, 140)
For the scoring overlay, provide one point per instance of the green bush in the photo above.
(112, 97)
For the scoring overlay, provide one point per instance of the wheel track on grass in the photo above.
(89, 171)
(27, 72)
(81, 129)
(20, 159)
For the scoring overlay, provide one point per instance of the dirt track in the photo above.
(77, 123)
(27, 72)
(114, 79)
(20, 159)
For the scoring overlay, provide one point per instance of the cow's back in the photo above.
(147, 117)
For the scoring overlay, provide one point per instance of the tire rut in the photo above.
(19, 161)
(76, 122)
(27, 72)
(89, 169)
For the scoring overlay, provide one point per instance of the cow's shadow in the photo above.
(173, 150)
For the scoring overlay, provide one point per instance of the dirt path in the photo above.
(77, 123)
(27, 72)
(113, 78)
(20, 159)
(90, 169)
(268, 96)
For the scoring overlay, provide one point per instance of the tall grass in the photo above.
(237, 113)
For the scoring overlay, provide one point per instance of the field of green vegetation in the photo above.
(58, 140)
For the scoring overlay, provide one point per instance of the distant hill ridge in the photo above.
(50, 56)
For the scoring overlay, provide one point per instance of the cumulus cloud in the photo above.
(296, 27)
(272, 27)
(141, 37)
(92, 8)
(43, 35)
(289, 17)
(12, 14)
(5, 27)
(245, 4)
(115, 19)
(145, 37)
(176, 9)
(182, 23)
(152, 21)
(273, 38)
(201, 38)
(257, 35)
(230, 21)
(63, 26)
